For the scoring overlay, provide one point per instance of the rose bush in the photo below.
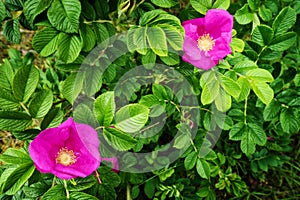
(149, 99)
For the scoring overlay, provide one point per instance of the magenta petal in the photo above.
(90, 140)
(194, 28)
(193, 55)
(43, 149)
(218, 21)
(221, 48)
(190, 48)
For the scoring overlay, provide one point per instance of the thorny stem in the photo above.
(67, 191)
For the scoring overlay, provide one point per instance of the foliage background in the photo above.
(257, 154)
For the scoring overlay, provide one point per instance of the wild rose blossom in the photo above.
(68, 151)
(207, 40)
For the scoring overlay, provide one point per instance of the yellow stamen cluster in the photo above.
(205, 42)
(66, 157)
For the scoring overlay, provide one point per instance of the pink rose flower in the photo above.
(68, 151)
(207, 40)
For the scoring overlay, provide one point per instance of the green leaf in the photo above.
(245, 88)
(149, 58)
(237, 45)
(271, 111)
(35, 190)
(171, 59)
(284, 20)
(41, 104)
(149, 188)
(203, 168)
(230, 86)
(129, 40)
(118, 139)
(104, 108)
(149, 16)
(35, 7)
(140, 40)
(72, 87)
(12, 179)
(56, 192)
(236, 132)
(14, 5)
(265, 13)
(260, 75)
(88, 37)
(262, 35)
(46, 41)
(82, 196)
(6, 75)
(132, 118)
(83, 114)
(182, 141)
(7, 100)
(101, 32)
(82, 184)
(11, 31)
(52, 119)
(257, 133)
(93, 80)
(162, 92)
(244, 66)
(174, 37)
(25, 82)
(157, 41)
(64, 15)
(165, 3)
(253, 4)
(201, 6)
(15, 156)
(221, 4)
(264, 92)
(2, 11)
(223, 101)
(247, 143)
(289, 121)
(243, 15)
(69, 47)
(210, 92)
(283, 42)
(149, 100)
(14, 120)
(190, 160)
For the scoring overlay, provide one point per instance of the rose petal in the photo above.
(218, 21)
(89, 138)
(194, 28)
(221, 48)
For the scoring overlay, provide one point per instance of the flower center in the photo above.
(205, 43)
(65, 157)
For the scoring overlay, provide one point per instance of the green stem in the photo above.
(53, 181)
(67, 191)
(25, 108)
(245, 111)
(128, 193)
(99, 21)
